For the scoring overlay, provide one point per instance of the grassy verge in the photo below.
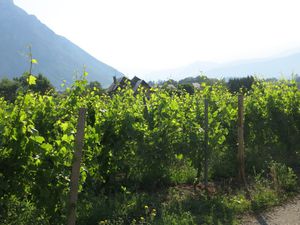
(182, 204)
(179, 205)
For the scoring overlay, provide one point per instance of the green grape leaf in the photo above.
(31, 80)
(64, 126)
(34, 61)
(38, 139)
(179, 156)
(67, 138)
(46, 146)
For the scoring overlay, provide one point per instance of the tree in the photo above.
(199, 79)
(42, 85)
(189, 88)
(8, 89)
(234, 85)
(96, 86)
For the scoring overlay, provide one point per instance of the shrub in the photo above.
(284, 178)
(183, 172)
(264, 197)
(21, 211)
(238, 203)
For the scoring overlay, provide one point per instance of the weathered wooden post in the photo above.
(241, 146)
(206, 142)
(79, 140)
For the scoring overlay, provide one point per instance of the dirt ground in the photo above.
(287, 214)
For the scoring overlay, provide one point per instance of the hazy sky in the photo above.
(141, 35)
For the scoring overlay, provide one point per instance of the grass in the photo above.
(175, 205)
(182, 204)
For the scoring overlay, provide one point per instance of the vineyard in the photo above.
(139, 144)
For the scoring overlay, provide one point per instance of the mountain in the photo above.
(194, 69)
(58, 58)
(282, 65)
(268, 67)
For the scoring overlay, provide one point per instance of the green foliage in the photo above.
(271, 190)
(182, 172)
(283, 177)
(264, 197)
(238, 203)
(39, 83)
(34, 61)
(8, 89)
(272, 121)
(235, 85)
(96, 87)
(36, 152)
(144, 143)
(175, 219)
(199, 79)
(31, 80)
(21, 211)
(172, 206)
(189, 88)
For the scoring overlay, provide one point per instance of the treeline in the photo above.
(9, 88)
(234, 85)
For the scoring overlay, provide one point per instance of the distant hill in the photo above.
(267, 67)
(58, 58)
(190, 70)
(281, 66)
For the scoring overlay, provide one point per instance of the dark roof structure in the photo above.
(135, 80)
(122, 82)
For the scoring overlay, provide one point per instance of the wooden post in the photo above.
(76, 167)
(198, 154)
(241, 147)
(205, 142)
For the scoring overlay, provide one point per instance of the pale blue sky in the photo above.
(145, 35)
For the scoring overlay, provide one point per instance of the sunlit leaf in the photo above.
(46, 146)
(64, 126)
(38, 139)
(34, 61)
(179, 156)
(31, 80)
